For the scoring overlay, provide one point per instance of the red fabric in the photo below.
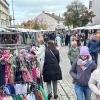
(34, 74)
(9, 74)
(26, 75)
(6, 57)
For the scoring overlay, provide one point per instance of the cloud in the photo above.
(26, 9)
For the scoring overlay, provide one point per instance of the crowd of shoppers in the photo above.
(83, 59)
(84, 70)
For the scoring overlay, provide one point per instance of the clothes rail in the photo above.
(13, 48)
(9, 33)
(32, 92)
(31, 89)
(21, 82)
(14, 45)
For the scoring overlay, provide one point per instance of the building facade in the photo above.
(4, 13)
(95, 7)
(51, 20)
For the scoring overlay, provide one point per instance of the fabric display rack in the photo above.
(17, 37)
(20, 72)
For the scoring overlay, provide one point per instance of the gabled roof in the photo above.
(58, 18)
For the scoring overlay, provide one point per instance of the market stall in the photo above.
(20, 72)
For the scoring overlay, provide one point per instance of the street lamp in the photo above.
(0, 18)
(13, 12)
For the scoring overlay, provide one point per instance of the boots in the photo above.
(49, 96)
(55, 96)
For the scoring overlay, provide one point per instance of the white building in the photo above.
(51, 20)
(95, 7)
(4, 13)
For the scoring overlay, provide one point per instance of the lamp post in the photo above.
(0, 18)
(13, 13)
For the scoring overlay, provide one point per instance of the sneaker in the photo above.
(49, 96)
(55, 96)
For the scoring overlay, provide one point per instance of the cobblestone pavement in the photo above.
(65, 86)
(66, 83)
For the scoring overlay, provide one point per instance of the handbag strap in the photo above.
(53, 55)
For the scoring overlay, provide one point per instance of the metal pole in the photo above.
(0, 18)
(13, 12)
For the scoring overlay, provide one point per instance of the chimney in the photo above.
(43, 11)
(53, 14)
(59, 15)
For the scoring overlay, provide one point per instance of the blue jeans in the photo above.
(82, 92)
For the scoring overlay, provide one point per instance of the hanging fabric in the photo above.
(26, 75)
(43, 92)
(2, 73)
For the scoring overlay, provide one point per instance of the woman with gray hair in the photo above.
(73, 52)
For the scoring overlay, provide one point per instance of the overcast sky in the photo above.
(27, 9)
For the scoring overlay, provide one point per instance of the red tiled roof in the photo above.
(58, 18)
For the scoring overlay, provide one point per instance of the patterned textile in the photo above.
(26, 75)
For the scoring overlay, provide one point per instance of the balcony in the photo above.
(4, 2)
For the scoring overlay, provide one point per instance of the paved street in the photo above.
(66, 83)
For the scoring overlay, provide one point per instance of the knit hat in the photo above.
(84, 50)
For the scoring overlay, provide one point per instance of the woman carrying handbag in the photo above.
(51, 70)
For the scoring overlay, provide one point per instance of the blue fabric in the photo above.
(82, 93)
(93, 46)
(11, 89)
(2, 74)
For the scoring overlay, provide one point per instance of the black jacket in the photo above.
(51, 69)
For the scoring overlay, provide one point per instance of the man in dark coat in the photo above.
(67, 39)
(94, 48)
(51, 69)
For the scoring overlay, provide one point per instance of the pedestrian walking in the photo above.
(51, 70)
(58, 41)
(78, 39)
(62, 39)
(52, 36)
(67, 39)
(94, 48)
(73, 52)
(81, 71)
(94, 83)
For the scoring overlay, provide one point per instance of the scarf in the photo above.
(84, 64)
(74, 49)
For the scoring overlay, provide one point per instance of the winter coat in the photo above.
(51, 69)
(41, 55)
(93, 46)
(51, 36)
(94, 83)
(73, 54)
(58, 40)
(67, 39)
(81, 77)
